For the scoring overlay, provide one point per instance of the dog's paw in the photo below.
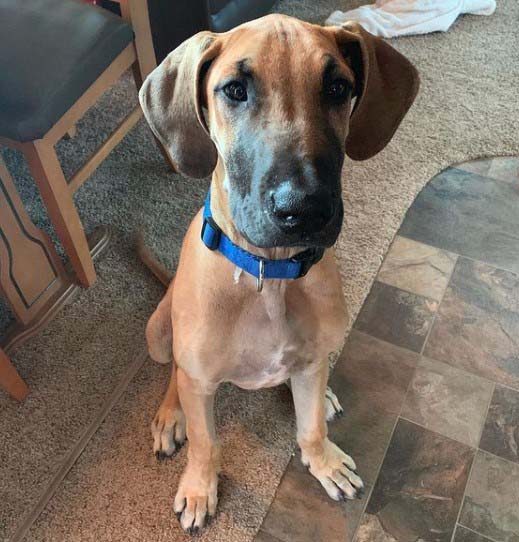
(168, 430)
(196, 499)
(333, 408)
(336, 471)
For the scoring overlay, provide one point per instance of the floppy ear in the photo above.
(387, 84)
(170, 98)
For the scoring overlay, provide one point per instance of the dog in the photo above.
(270, 109)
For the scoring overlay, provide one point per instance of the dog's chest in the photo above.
(272, 340)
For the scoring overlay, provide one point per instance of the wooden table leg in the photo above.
(10, 380)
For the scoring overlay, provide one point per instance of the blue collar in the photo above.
(261, 268)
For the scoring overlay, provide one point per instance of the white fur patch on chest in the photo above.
(275, 347)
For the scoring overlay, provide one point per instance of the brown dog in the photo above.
(268, 109)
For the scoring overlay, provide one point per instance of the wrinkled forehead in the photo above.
(277, 49)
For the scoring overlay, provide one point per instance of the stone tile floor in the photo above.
(429, 380)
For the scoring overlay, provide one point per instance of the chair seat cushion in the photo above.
(51, 51)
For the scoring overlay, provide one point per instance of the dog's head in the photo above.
(272, 99)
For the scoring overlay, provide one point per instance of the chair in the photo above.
(56, 58)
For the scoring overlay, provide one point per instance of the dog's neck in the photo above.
(221, 212)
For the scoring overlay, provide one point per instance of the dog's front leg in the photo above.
(326, 461)
(196, 497)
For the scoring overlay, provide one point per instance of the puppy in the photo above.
(270, 109)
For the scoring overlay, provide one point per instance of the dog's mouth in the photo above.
(300, 233)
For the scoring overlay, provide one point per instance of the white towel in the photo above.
(390, 18)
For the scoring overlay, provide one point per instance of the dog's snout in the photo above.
(295, 209)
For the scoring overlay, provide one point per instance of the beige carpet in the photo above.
(468, 107)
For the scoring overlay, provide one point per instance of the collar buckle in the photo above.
(211, 233)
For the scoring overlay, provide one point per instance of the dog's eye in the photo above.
(337, 90)
(236, 91)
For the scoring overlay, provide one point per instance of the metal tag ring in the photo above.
(261, 276)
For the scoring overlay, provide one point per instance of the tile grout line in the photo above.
(484, 262)
(293, 454)
(469, 475)
(512, 464)
(433, 321)
(486, 415)
(473, 374)
(418, 424)
(407, 290)
(489, 402)
(375, 478)
(78, 448)
(475, 532)
(363, 511)
(462, 501)
(456, 368)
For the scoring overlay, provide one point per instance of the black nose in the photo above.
(294, 209)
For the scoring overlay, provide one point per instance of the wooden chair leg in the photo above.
(10, 380)
(56, 194)
(136, 12)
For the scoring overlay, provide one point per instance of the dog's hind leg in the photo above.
(169, 425)
(168, 428)
(332, 407)
(159, 332)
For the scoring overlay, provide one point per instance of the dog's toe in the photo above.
(160, 455)
(168, 430)
(334, 409)
(194, 515)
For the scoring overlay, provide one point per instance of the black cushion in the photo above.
(51, 51)
(173, 21)
(226, 14)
